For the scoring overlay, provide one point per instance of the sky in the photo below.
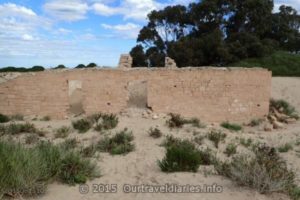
(72, 32)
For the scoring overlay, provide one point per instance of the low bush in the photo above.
(246, 143)
(255, 122)
(46, 118)
(63, 132)
(4, 118)
(27, 171)
(82, 125)
(231, 149)
(104, 121)
(175, 121)
(118, 144)
(199, 139)
(69, 144)
(32, 139)
(155, 133)
(75, 170)
(170, 140)
(232, 127)
(285, 148)
(17, 117)
(265, 172)
(88, 151)
(216, 137)
(181, 156)
(14, 129)
(195, 123)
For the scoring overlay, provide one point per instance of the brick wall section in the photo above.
(211, 94)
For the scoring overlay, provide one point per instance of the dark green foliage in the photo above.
(182, 156)
(118, 144)
(4, 118)
(80, 66)
(285, 148)
(89, 151)
(216, 137)
(60, 67)
(155, 133)
(231, 126)
(22, 69)
(104, 121)
(91, 65)
(17, 117)
(284, 107)
(82, 125)
(75, 170)
(212, 32)
(280, 63)
(46, 118)
(265, 172)
(170, 140)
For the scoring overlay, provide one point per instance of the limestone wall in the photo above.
(211, 94)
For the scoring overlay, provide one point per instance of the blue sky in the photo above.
(70, 32)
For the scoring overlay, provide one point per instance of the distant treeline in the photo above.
(41, 68)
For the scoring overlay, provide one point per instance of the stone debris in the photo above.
(125, 61)
(170, 63)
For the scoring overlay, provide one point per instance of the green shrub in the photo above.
(265, 172)
(195, 122)
(3, 118)
(155, 133)
(32, 139)
(69, 144)
(231, 149)
(175, 121)
(285, 148)
(88, 151)
(118, 144)
(17, 117)
(46, 118)
(63, 132)
(230, 126)
(284, 107)
(295, 193)
(14, 129)
(170, 140)
(75, 170)
(94, 118)
(246, 143)
(216, 137)
(109, 121)
(255, 122)
(182, 156)
(82, 125)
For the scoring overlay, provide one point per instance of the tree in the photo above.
(80, 66)
(60, 67)
(91, 65)
(216, 32)
(139, 57)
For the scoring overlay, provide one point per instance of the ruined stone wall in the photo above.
(211, 94)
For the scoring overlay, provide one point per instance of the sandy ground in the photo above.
(140, 167)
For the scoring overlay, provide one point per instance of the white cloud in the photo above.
(67, 10)
(130, 9)
(126, 31)
(28, 37)
(10, 9)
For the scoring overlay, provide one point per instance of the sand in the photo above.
(140, 167)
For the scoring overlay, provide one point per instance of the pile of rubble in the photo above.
(281, 113)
